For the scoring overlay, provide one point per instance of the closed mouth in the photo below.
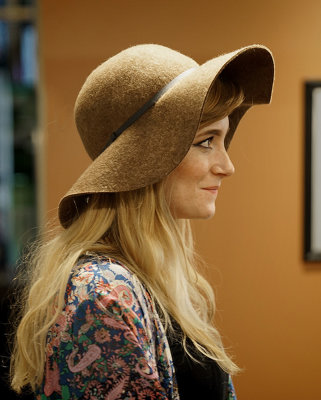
(211, 188)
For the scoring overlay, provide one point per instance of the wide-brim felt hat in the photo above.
(131, 151)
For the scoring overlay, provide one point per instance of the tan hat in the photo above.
(138, 112)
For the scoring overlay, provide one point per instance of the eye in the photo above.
(207, 143)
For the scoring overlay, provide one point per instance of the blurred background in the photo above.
(268, 297)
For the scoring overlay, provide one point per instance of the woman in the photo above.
(115, 307)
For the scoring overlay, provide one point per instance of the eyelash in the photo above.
(200, 144)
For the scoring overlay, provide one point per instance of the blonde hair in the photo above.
(165, 263)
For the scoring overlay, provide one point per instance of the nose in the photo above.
(222, 165)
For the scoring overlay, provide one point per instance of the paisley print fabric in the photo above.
(108, 343)
(231, 390)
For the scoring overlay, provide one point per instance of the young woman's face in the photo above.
(192, 188)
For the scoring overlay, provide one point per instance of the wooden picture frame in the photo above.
(312, 236)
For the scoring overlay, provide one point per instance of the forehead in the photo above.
(220, 126)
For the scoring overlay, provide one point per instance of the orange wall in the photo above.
(269, 300)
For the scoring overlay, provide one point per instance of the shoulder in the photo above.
(107, 282)
(92, 268)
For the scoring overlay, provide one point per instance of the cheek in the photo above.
(194, 170)
(194, 165)
(187, 176)
(185, 173)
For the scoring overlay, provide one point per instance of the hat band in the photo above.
(150, 103)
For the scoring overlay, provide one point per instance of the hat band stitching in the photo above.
(150, 103)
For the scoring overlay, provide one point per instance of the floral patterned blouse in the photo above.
(108, 343)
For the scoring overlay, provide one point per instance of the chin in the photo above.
(194, 212)
(207, 212)
(209, 215)
(204, 214)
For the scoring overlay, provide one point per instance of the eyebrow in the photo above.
(211, 132)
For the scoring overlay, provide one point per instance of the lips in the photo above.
(212, 189)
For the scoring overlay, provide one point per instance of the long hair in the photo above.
(165, 263)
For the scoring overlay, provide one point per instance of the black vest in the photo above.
(205, 380)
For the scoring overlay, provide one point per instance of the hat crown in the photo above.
(117, 88)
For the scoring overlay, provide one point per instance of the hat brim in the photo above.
(142, 156)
